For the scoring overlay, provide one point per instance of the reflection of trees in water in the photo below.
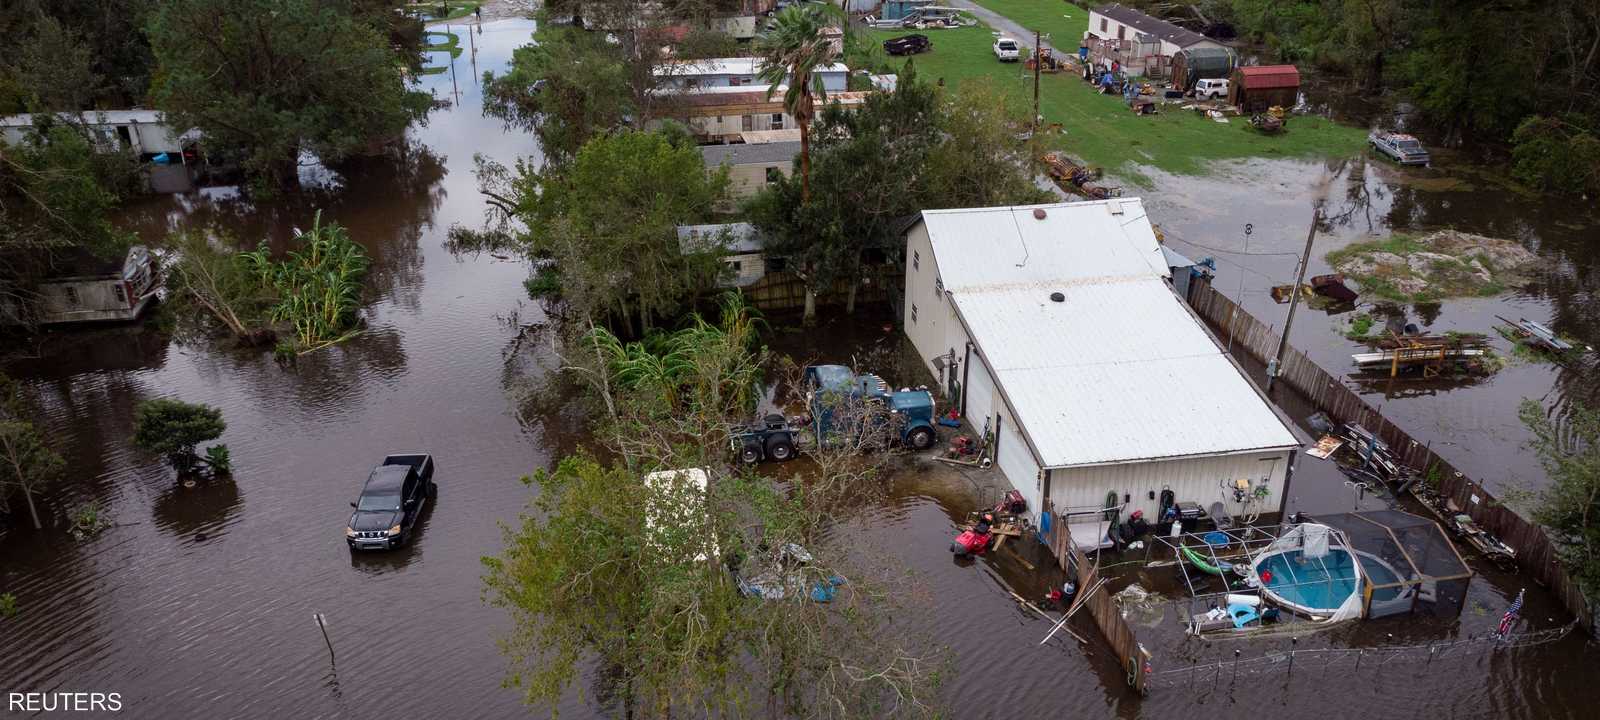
(182, 511)
(1360, 190)
(331, 380)
(545, 399)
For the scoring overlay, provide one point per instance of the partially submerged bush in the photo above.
(174, 428)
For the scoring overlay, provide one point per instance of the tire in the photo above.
(920, 438)
(780, 448)
(749, 454)
(433, 490)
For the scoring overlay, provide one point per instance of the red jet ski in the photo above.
(976, 540)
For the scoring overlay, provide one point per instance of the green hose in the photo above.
(1199, 562)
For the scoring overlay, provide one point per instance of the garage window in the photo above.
(774, 174)
(916, 260)
(938, 287)
(913, 313)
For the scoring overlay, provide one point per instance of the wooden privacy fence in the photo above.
(1134, 659)
(1536, 553)
(781, 290)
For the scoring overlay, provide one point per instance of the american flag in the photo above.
(1511, 613)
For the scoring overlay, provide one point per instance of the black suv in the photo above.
(390, 503)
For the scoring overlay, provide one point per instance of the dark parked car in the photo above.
(390, 503)
(907, 45)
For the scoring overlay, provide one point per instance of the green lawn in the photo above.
(1064, 21)
(457, 9)
(1101, 130)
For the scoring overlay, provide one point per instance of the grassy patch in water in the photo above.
(1102, 131)
(1360, 325)
(1443, 277)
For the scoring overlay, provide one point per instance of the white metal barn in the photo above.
(1057, 329)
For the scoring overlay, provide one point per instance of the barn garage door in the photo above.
(980, 394)
(1016, 462)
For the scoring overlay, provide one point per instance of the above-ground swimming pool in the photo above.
(1318, 586)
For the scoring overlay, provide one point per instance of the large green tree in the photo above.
(269, 79)
(567, 87)
(1567, 441)
(606, 223)
(895, 155)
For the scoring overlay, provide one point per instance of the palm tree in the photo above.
(791, 48)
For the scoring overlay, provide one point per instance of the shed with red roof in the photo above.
(1259, 87)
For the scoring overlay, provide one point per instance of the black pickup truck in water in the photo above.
(390, 503)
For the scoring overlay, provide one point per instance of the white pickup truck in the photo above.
(1007, 50)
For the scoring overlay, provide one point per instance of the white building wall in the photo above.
(1196, 480)
(1016, 460)
(926, 317)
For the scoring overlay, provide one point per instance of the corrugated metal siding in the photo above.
(982, 399)
(1075, 242)
(1192, 480)
(1017, 463)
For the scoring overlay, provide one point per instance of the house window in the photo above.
(122, 295)
(738, 266)
(72, 295)
(938, 287)
(916, 260)
(913, 312)
(774, 175)
(1122, 32)
(736, 81)
(747, 122)
(1102, 24)
(777, 121)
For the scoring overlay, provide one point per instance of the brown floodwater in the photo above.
(199, 601)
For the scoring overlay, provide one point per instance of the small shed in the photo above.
(1191, 65)
(1256, 88)
(742, 247)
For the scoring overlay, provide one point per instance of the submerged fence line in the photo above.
(1536, 553)
(1207, 674)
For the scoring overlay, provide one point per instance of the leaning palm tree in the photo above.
(791, 48)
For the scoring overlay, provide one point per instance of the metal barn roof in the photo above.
(1154, 26)
(1072, 243)
(1118, 370)
(1264, 77)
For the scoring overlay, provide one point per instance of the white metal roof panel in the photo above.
(1022, 328)
(1074, 243)
(727, 66)
(1142, 409)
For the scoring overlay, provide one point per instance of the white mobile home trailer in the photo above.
(145, 132)
(1062, 337)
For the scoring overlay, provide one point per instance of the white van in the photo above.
(1212, 89)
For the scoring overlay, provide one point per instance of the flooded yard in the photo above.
(199, 601)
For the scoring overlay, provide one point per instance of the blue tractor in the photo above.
(829, 388)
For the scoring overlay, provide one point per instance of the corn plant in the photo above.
(318, 285)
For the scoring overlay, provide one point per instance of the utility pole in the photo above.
(1294, 300)
(1038, 63)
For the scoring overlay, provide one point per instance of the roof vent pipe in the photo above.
(1057, 297)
